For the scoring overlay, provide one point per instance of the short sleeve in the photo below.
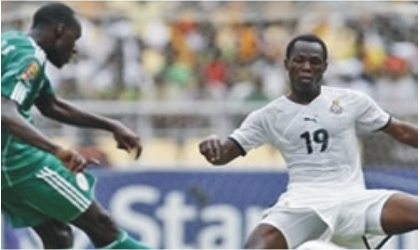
(370, 116)
(252, 133)
(18, 78)
(46, 88)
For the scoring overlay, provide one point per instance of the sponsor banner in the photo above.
(207, 210)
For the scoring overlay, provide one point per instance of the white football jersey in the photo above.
(318, 141)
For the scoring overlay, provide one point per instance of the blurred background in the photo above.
(178, 71)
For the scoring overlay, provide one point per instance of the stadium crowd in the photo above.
(167, 51)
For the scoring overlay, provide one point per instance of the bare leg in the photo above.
(98, 225)
(399, 214)
(55, 235)
(265, 236)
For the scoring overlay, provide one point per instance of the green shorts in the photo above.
(53, 192)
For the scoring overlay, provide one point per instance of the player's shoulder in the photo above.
(24, 46)
(270, 111)
(342, 93)
(16, 38)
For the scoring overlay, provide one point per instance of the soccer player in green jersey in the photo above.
(43, 185)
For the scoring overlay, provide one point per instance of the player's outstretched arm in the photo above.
(403, 131)
(58, 109)
(217, 152)
(19, 127)
(15, 124)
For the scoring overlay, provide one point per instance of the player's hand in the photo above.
(73, 160)
(128, 140)
(211, 148)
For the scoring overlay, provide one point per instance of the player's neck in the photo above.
(303, 97)
(39, 37)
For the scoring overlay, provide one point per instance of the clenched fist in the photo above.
(211, 148)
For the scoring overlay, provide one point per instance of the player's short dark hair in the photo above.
(54, 13)
(306, 38)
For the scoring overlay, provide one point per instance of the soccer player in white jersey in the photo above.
(314, 127)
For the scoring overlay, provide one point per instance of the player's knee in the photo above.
(412, 212)
(95, 218)
(103, 220)
(255, 244)
(98, 225)
(64, 239)
(414, 222)
(55, 234)
(266, 237)
(400, 214)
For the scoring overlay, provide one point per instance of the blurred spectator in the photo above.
(374, 50)
(274, 34)
(408, 52)
(160, 91)
(219, 51)
(121, 51)
(348, 74)
(396, 85)
(243, 84)
(156, 34)
(257, 93)
(225, 39)
(216, 74)
(247, 42)
(270, 70)
(215, 70)
(178, 77)
(153, 60)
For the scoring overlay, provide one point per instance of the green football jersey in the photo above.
(23, 79)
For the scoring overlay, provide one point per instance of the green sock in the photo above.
(124, 241)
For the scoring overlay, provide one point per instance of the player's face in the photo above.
(306, 66)
(65, 44)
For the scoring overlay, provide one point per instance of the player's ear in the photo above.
(59, 30)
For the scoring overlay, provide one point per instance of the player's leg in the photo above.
(266, 236)
(103, 231)
(59, 194)
(400, 214)
(363, 213)
(55, 234)
(286, 229)
(22, 213)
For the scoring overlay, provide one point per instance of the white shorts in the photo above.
(342, 220)
(317, 244)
